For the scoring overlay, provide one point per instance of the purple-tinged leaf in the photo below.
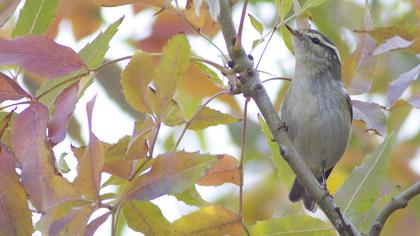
(74, 223)
(39, 177)
(359, 69)
(94, 225)
(64, 108)
(371, 114)
(10, 90)
(7, 8)
(40, 56)
(397, 87)
(414, 101)
(392, 44)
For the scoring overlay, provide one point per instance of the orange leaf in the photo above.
(225, 170)
(39, 177)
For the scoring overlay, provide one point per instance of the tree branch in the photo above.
(253, 88)
(399, 201)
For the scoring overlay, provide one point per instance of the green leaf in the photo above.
(175, 61)
(362, 187)
(62, 164)
(287, 38)
(191, 197)
(35, 17)
(283, 7)
(212, 220)
(173, 114)
(209, 73)
(207, 117)
(283, 170)
(145, 217)
(256, 24)
(135, 80)
(92, 54)
(293, 225)
(171, 173)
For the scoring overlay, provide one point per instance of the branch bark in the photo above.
(252, 87)
(399, 201)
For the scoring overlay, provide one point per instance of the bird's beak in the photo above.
(292, 31)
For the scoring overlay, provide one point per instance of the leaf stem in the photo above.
(188, 123)
(241, 164)
(238, 40)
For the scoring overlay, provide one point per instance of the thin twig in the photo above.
(241, 164)
(399, 201)
(188, 123)
(238, 41)
(277, 78)
(155, 137)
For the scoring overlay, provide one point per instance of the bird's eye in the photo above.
(316, 41)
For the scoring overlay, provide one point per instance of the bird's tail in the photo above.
(298, 193)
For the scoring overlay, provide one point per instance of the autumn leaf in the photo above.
(146, 218)
(207, 117)
(214, 220)
(397, 87)
(90, 165)
(174, 62)
(64, 108)
(171, 173)
(392, 44)
(7, 8)
(225, 170)
(371, 114)
(15, 217)
(39, 177)
(10, 90)
(135, 80)
(40, 56)
(74, 223)
(360, 68)
(95, 224)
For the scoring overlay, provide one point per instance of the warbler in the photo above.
(317, 109)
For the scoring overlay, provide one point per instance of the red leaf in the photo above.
(397, 87)
(15, 217)
(74, 223)
(10, 90)
(90, 166)
(94, 225)
(371, 114)
(64, 107)
(39, 176)
(40, 56)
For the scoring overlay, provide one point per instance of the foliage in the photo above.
(168, 84)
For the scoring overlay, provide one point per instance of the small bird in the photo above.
(317, 109)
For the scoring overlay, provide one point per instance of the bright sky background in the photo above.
(110, 123)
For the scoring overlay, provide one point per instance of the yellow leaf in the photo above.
(175, 61)
(135, 80)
